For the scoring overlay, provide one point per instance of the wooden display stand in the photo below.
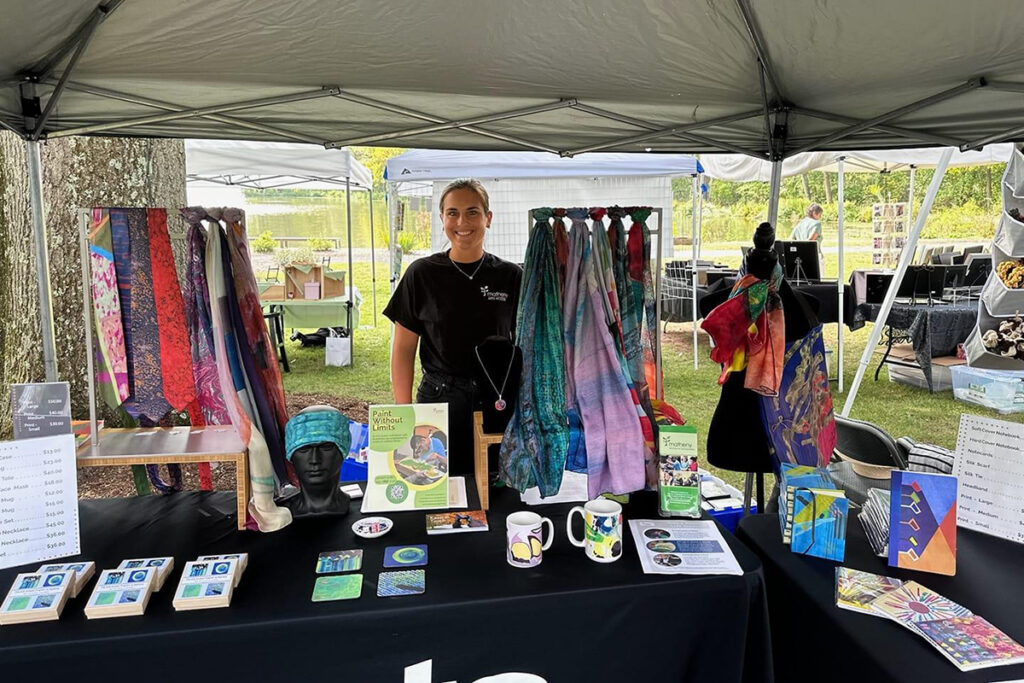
(481, 440)
(295, 281)
(160, 445)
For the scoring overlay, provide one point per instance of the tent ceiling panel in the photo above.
(672, 63)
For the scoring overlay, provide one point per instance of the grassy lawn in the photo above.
(898, 409)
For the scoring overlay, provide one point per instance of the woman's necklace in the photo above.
(464, 272)
(500, 404)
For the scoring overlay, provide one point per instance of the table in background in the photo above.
(315, 313)
(933, 330)
(814, 640)
(570, 619)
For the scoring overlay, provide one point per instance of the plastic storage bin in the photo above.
(914, 377)
(1000, 390)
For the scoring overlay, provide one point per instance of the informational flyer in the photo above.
(38, 500)
(41, 409)
(990, 472)
(672, 546)
(678, 478)
(407, 461)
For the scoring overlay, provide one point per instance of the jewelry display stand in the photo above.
(481, 440)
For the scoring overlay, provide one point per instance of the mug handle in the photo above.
(551, 532)
(568, 526)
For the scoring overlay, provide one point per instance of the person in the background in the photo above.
(809, 228)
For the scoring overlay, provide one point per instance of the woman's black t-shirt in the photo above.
(452, 313)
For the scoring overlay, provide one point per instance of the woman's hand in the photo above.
(403, 358)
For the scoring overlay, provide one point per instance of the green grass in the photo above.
(898, 409)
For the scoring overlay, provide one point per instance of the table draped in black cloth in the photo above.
(934, 330)
(570, 619)
(816, 641)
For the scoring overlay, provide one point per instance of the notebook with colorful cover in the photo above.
(912, 603)
(817, 519)
(792, 476)
(456, 522)
(971, 642)
(922, 522)
(855, 590)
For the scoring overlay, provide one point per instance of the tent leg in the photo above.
(351, 274)
(910, 196)
(373, 262)
(35, 190)
(773, 199)
(901, 269)
(700, 219)
(693, 269)
(842, 273)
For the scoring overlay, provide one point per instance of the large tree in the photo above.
(77, 172)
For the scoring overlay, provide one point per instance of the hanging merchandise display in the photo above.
(614, 439)
(121, 248)
(573, 301)
(534, 446)
(238, 400)
(638, 247)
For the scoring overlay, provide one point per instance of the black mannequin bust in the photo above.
(498, 358)
(317, 466)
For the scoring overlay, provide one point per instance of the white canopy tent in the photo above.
(745, 76)
(740, 168)
(266, 165)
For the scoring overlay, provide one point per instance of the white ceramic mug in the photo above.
(602, 530)
(525, 544)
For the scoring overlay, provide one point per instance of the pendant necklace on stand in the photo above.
(500, 404)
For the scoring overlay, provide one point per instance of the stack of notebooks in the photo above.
(38, 596)
(209, 581)
(913, 524)
(964, 638)
(874, 517)
(812, 512)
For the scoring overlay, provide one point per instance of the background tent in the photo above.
(770, 79)
(520, 181)
(265, 165)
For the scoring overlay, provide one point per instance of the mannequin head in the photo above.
(317, 441)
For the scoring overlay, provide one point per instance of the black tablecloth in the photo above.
(933, 330)
(568, 620)
(814, 640)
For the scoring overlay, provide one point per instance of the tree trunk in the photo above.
(828, 187)
(78, 172)
(807, 186)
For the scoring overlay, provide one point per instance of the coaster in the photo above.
(347, 587)
(405, 556)
(410, 582)
(339, 561)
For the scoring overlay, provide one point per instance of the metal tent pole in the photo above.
(901, 269)
(35, 192)
(393, 273)
(841, 277)
(351, 274)
(700, 218)
(693, 268)
(373, 262)
(910, 195)
(773, 199)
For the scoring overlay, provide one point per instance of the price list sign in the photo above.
(38, 500)
(990, 470)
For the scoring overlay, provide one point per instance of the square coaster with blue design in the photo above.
(409, 582)
(405, 556)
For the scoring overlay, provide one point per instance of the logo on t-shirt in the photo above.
(487, 294)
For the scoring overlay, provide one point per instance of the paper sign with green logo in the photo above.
(407, 462)
(678, 479)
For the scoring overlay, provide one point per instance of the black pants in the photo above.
(461, 396)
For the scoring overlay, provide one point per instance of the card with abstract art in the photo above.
(922, 522)
(855, 590)
(912, 603)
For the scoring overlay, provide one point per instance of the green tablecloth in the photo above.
(304, 314)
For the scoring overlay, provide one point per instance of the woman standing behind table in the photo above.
(448, 303)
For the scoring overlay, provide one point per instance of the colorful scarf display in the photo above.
(799, 421)
(573, 301)
(122, 250)
(535, 442)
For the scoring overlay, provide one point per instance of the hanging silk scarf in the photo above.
(639, 249)
(605, 274)
(573, 301)
(630, 325)
(561, 246)
(106, 305)
(535, 442)
(266, 514)
(799, 421)
(615, 451)
(122, 250)
(256, 343)
(149, 390)
(175, 353)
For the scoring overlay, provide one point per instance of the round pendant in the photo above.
(500, 404)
